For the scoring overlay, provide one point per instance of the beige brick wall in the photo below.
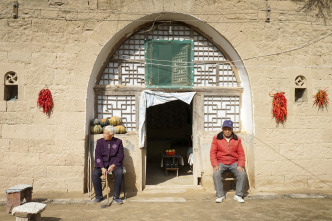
(58, 44)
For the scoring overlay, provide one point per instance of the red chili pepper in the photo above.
(45, 100)
(279, 106)
(321, 99)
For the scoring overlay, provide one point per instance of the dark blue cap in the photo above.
(227, 123)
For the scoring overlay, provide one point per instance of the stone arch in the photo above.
(246, 113)
(215, 37)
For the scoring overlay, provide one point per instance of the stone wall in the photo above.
(55, 44)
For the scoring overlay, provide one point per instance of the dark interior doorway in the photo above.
(169, 126)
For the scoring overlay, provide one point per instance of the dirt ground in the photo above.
(183, 204)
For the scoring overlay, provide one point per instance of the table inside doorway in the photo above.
(171, 162)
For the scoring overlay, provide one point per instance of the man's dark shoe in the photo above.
(98, 200)
(118, 200)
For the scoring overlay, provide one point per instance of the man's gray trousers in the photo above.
(240, 179)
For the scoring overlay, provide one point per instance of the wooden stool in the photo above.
(173, 169)
(123, 182)
(230, 178)
(16, 194)
(29, 211)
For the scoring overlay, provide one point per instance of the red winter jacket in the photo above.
(226, 152)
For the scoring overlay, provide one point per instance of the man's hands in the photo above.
(216, 168)
(240, 169)
(111, 168)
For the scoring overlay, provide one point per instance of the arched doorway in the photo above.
(219, 78)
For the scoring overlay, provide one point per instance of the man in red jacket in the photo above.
(227, 154)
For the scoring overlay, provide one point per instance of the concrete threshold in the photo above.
(153, 189)
(158, 200)
(198, 187)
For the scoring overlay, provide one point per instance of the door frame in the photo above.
(144, 150)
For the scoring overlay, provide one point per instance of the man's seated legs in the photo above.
(118, 173)
(240, 179)
(96, 180)
(217, 180)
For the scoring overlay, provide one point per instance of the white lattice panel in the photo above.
(126, 67)
(118, 105)
(211, 68)
(226, 76)
(205, 75)
(132, 74)
(132, 48)
(111, 74)
(214, 75)
(217, 109)
(204, 50)
(179, 71)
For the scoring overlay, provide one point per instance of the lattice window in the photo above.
(211, 69)
(204, 50)
(226, 76)
(132, 73)
(11, 78)
(214, 75)
(180, 72)
(118, 105)
(110, 75)
(217, 109)
(300, 81)
(126, 67)
(11, 86)
(205, 75)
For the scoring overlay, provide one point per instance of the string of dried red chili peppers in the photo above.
(45, 100)
(279, 107)
(321, 99)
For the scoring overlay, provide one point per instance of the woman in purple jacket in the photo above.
(108, 159)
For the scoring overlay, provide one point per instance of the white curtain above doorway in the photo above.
(151, 98)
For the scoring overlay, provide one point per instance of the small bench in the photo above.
(229, 180)
(16, 194)
(29, 211)
(172, 169)
(228, 176)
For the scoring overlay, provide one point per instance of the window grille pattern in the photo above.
(226, 76)
(126, 67)
(131, 73)
(217, 109)
(169, 64)
(214, 75)
(205, 74)
(211, 68)
(180, 72)
(11, 78)
(300, 81)
(118, 105)
(204, 50)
